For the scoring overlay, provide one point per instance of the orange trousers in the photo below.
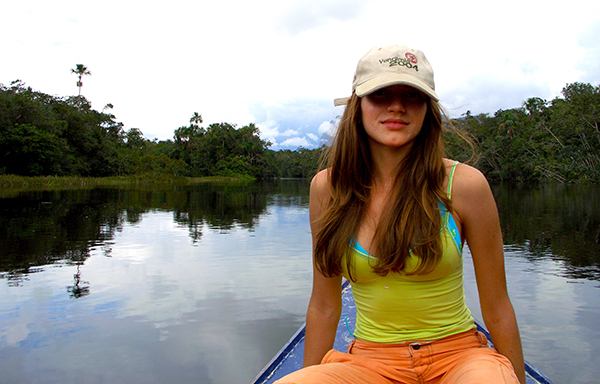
(463, 358)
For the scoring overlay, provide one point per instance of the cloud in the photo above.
(292, 121)
(290, 132)
(280, 64)
(329, 127)
(269, 130)
(298, 17)
(589, 64)
(485, 94)
(295, 142)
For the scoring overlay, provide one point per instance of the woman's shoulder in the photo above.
(320, 184)
(469, 187)
(320, 193)
(321, 176)
(465, 176)
(320, 180)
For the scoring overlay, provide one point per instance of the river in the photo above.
(204, 284)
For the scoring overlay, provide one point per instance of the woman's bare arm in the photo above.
(476, 209)
(325, 304)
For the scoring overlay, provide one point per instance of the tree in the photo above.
(196, 119)
(81, 70)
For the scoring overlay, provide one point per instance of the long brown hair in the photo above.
(413, 221)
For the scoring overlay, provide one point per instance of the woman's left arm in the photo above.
(476, 209)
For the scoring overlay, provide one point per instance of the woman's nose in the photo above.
(396, 104)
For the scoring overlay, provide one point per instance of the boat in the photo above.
(289, 358)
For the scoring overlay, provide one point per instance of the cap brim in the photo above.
(386, 80)
(341, 101)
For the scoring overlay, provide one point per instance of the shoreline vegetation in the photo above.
(62, 142)
(66, 182)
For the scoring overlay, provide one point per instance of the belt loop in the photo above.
(351, 345)
(482, 338)
(412, 346)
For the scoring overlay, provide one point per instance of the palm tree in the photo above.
(196, 119)
(80, 70)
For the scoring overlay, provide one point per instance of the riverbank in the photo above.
(13, 182)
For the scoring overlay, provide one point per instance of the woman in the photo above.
(391, 214)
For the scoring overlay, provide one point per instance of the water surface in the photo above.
(204, 284)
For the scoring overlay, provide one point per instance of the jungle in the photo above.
(51, 136)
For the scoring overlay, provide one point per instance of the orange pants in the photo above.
(462, 358)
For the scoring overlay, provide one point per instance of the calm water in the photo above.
(204, 284)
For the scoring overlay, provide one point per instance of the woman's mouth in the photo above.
(395, 123)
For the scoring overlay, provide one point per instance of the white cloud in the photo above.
(589, 64)
(290, 132)
(269, 130)
(299, 17)
(328, 127)
(295, 142)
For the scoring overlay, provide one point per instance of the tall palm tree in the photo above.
(196, 119)
(80, 70)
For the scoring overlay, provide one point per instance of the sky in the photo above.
(279, 64)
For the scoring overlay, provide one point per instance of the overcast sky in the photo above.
(279, 64)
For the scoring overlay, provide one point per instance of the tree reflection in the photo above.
(555, 221)
(41, 228)
(221, 208)
(79, 288)
(38, 229)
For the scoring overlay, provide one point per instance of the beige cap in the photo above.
(391, 65)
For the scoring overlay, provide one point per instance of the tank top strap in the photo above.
(450, 179)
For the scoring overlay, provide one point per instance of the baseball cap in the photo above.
(391, 65)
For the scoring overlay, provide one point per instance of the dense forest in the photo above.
(40, 135)
(557, 140)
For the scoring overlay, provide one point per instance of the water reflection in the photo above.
(156, 303)
(556, 221)
(79, 288)
(46, 227)
(206, 283)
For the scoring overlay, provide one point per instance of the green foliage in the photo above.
(159, 164)
(80, 70)
(540, 141)
(301, 163)
(222, 150)
(43, 135)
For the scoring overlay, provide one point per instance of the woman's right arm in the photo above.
(325, 304)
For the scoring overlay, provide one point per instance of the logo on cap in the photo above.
(409, 61)
(411, 57)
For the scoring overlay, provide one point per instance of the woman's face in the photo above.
(393, 116)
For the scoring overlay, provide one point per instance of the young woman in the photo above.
(391, 215)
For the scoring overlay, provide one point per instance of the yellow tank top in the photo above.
(400, 307)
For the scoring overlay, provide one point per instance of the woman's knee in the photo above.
(492, 369)
(309, 375)
(332, 373)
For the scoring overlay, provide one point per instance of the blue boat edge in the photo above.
(289, 358)
(280, 357)
(530, 370)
